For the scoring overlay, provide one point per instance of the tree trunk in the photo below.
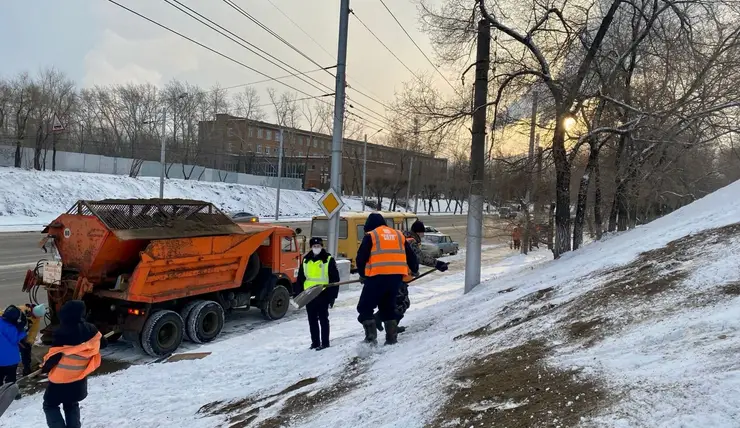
(620, 200)
(581, 204)
(562, 190)
(598, 220)
(617, 183)
(18, 157)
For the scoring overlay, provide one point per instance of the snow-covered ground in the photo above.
(640, 329)
(31, 199)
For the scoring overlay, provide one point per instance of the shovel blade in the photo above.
(307, 296)
(8, 392)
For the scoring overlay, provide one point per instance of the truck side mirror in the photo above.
(298, 231)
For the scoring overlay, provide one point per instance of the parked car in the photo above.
(244, 217)
(439, 244)
(430, 229)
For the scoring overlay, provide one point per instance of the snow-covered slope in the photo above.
(638, 330)
(29, 199)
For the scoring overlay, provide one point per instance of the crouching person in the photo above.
(318, 270)
(74, 354)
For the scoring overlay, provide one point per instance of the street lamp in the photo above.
(164, 141)
(364, 167)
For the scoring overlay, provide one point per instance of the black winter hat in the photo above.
(316, 241)
(11, 314)
(374, 221)
(418, 227)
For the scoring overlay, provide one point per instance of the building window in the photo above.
(259, 148)
(313, 167)
(300, 141)
(277, 135)
(268, 134)
(300, 154)
(251, 132)
(267, 150)
(260, 133)
(315, 144)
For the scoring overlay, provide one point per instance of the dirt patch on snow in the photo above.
(731, 289)
(294, 401)
(516, 389)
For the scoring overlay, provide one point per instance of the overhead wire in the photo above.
(418, 47)
(221, 54)
(290, 45)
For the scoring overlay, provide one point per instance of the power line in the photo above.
(221, 54)
(418, 48)
(284, 41)
(246, 44)
(385, 46)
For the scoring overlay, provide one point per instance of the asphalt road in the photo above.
(20, 252)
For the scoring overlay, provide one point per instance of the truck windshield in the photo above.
(320, 228)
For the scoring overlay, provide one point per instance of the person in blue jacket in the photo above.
(12, 332)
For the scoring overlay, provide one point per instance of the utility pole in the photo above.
(408, 185)
(477, 158)
(364, 172)
(336, 144)
(416, 183)
(162, 149)
(279, 175)
(526, 241)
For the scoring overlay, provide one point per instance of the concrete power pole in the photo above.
(416, 183)
(279, 176)
(162, 152)
(364, 173)
(336, 143)
(526, 241)
(408, 185)
(477, 158)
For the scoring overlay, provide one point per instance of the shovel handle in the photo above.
(38, 372)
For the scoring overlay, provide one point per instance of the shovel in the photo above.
(9, 391)
(307, 296)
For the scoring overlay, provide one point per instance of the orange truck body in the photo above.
(111, 255)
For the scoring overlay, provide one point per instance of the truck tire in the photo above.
(185, 315)
(162, 333)
(276, 303)
(205, 322)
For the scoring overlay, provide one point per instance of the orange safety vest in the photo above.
(77, 361)
(388, 255)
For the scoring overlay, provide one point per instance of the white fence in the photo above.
(82, 162)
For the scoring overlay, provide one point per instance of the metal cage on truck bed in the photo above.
(149, 219)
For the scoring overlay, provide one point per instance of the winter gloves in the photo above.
(441, 266)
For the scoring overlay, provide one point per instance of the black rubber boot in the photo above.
(400, 329)
(391, 332)
(371, 331)
(378, 322)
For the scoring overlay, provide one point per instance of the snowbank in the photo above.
(667, 356)
(30, 199)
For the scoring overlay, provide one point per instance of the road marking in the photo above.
(18, 265)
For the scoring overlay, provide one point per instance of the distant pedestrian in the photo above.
(383, 259)
(12, 333)
(516, 237)
(74, 354)
(317, 270)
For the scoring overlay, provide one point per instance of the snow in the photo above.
(31, 199)
(674, 365)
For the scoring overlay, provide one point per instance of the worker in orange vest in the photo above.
(384, 257)
(74, 354)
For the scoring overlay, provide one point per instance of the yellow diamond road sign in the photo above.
(331, 203)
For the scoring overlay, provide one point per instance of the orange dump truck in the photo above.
(163, 270)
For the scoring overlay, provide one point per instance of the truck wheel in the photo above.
(276, 304)
(205, 322)
(185, 315)
(162, 333)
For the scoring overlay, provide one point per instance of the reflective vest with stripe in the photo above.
(77, 361)
(388, 254)
(316, 272)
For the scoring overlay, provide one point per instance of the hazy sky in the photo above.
(97, 43)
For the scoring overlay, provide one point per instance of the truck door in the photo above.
(290, 258)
